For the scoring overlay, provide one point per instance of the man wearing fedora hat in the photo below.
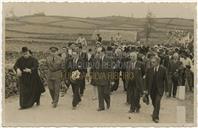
(55, 67)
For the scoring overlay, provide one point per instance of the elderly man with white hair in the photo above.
(134, 77)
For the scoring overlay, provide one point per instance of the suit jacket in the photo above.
(161, 80)
(55, 66)
(138, 73)
(76, 65)
(84, 61)
(102, 70)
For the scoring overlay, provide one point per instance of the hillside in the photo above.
(60, 29)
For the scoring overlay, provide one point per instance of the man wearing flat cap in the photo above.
(55, 68)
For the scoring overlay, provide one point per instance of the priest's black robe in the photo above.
(30, 85)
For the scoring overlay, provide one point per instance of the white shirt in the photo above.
(70, 51)
(102, 57)
(186, 62)
(156, 68)
(133, 64)
(89, 56)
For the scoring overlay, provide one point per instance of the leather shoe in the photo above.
(108, 106)
(137, 110)
(101, 109)
(54, 105)
(74, 108)
(131, 111)
(156, 120)
(21, 108)
(38, 103)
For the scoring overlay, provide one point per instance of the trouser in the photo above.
(116, 79)
(103, 96)
(183, 76)
(135, 99)
(38, 98)
(54, 89)
(124, 81)
(76, 94)
(189, 79)
(128, 94)
(156, 99)
(82, 86)
(63, 88)
(190, 83)
(175, 84)
(170, 85)
(115, 86)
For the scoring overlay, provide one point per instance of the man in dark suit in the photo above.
(156, 79)
(135, 73)
(83, 57)
(75, 64)
(124, 59)
(102, 81)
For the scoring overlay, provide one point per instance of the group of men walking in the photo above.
(144, 71)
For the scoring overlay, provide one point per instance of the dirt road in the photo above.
(86, 112)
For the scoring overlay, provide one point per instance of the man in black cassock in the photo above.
(29, 82)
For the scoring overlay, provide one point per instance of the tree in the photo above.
(148, 25)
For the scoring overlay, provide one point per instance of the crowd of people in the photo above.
(145, 71)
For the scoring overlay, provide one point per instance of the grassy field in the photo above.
(49, 28)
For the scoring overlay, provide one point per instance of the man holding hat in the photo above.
(55, 67)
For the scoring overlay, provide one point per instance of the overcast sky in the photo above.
(187, 10)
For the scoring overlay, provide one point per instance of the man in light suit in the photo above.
(54, 76)
(156, 84)
(135, 73)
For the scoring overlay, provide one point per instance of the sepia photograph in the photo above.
(99, 64)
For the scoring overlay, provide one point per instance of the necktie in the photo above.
(133, 66)
(53, 59)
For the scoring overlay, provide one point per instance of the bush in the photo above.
(11, 87)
